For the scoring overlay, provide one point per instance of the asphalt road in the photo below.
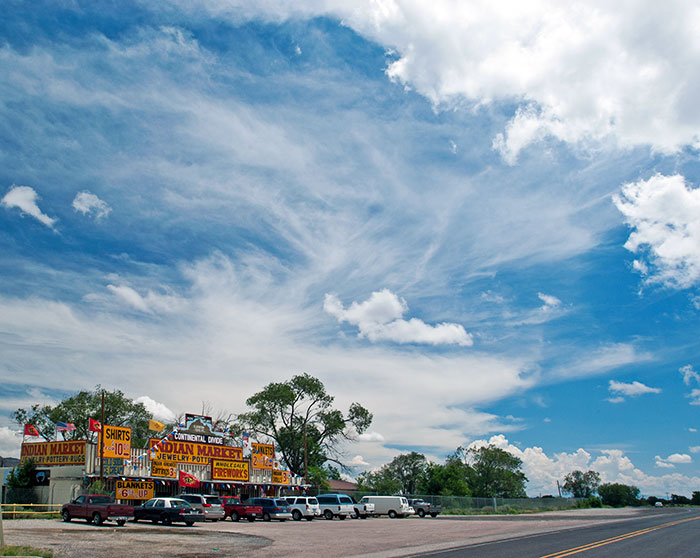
(674, 534)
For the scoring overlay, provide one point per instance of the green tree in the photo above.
(449, 479)
(284, 411)
(119, 411)
(695, 498)
(381, 481)
(618, 495)
(494, 472)
(580, 484)
(20, 483)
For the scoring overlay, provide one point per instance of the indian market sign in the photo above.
(193, 453)
(55, 453)
(262, 456)
(135, 490)
(117, 441)
(235, 471)
(164, 469)
(280, 477)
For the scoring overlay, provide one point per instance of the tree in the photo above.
(679, 500)
(284, 411)
(494, 472)
(618, 495)
(695, 498)
(119, 411)
(449, 479)
(381, 481)
(580, 484)
(402, 475)
(20, 483)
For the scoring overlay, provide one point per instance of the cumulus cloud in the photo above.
(10, 442)
(634, 389)
(89, 204)
(579, 72)
(689, 375)
(694, 397)
(25, 199)
(159, 411)
(694, 449)
(543, 470)
(672, 460)
(664, 214)
(358, 461)
(371, 437)
(379, 318)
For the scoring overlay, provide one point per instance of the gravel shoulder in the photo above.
(377, 537)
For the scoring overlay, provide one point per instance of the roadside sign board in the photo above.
(164, 469)
(117, 441)
(135, 490)
(235, 471)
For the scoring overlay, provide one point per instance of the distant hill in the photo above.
(8, 461)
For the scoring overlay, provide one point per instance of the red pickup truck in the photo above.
(235, 510)
(97, 508)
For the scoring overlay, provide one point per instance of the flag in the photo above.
(188, 481)
(65, 426)
(95, 426)
(29, 430)
(155, 425)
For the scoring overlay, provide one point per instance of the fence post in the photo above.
(495, 505)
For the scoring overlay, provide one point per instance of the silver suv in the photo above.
(209, 504)
(336, 505)
(304, 506)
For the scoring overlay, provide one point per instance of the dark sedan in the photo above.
(167, 511)
(272, 508)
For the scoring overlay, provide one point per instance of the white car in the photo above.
(304, 507)
(363, 509)
(336, 505)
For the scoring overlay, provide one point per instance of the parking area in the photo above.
(378, 537)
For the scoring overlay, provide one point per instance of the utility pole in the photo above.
(102, 441)
(559, 489)
(306, 459)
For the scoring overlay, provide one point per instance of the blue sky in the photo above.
(488, 213)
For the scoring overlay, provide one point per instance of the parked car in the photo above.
(336, 505)
(304, 507)
(393, 506)
(97, 508)
(167, 511)
(362, 510)
(234, 509)
(272, 508)
(423, 508)
(209, 504)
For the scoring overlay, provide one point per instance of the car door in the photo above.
(147, 510)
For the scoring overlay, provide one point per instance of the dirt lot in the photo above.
(377, 537)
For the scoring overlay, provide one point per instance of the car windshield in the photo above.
(345, 500)
(179, 504)
(213, 500)
(313, 501)
(281, 502)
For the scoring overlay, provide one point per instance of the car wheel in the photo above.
(433, 515)
(296, 515)
(234, 516)
(121, 522)
(250, 518)
(97, 518)
(341, 517)
(66, 516)
(135, 519)
(421, 513)
(189, 523)
(328, 514)
(364, 516)
(282, 520)
(392, 514)
(266, 517)
(154, 521)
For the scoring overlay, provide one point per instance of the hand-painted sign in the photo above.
(113, 466)
(262, 456)
(280, 477)
(117, 441)
(135, 490)
(189, 452)
(55, 453)
(164, 469)
(236, 471)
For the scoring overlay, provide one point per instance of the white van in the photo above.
(393, 506)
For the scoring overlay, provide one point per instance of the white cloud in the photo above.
(152, 302)
(10, 442)
(371, 436)
(694, 396)
(159, 411)
(692, 429)
(601, 360)
(694, 449)
(358, 461)
(663, 464)
(25, 198)
(617, 399)
(689, 375)
(578, 71)
(672, 460)
(664, 213)
(379, 319)
(543, 471)
(631, 390)
(89, 204)
(549, 300)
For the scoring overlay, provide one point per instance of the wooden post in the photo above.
(306, 460)
(102, 441)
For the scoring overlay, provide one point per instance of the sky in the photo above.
(479, 220)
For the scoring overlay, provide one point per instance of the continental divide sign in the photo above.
(54, 453)
(190, 452)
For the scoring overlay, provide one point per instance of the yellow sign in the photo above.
(265, 449)
(164, 469)
(135, 490)
(236, 471)
(261, 461)
(191, 452)
(280, 477)
(54, 453)
(117, 441)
